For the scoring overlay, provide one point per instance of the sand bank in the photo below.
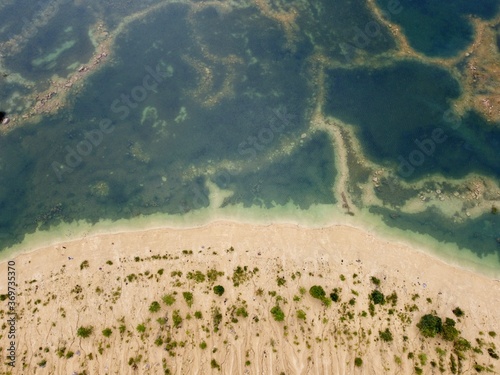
(111, 280)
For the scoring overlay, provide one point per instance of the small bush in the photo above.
(188, 297)
(84, 264)
(154, 307)
(375, 280)
(377, 297)
(107, 332)
(301, 314)
(198, 315)
(168, 299)
(334, 297)
(450, 333)
(176, 318)
(85, 332)
(203, 345)
(316, 291)
(278, 314)
(385, 335)
(458, 312)
(430, 325)
(141, 328)
(214, 364)
(358, 362)
(280, 281)
(219, 290)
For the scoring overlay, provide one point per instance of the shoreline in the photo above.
(107, 229)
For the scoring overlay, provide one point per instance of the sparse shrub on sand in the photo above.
(430, 325)
(154, 307)
(317, 291)
(176, 318)
(219, 290)
(385, 335)
(358, 362)
(377, 297)
(168, 299)
(458, 312)
(188, 297)
(84, 332)
(301, 314)
(141, 328)
(278, 314)
(107, 332)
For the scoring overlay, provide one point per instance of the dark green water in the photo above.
(100, 160)
(70, 26)
(403, 120)
(221, 97)
(439, 28)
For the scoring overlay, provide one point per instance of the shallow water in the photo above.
(223, 98)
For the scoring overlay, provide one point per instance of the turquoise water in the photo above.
(480, 235)
(221, 97)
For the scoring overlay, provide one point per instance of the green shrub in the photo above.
(377, 297)
(176, 318)
(197, 276)
(430, 325)
(301, 314)
(141, 328)
(85, 332)
(492, 353)
(280, 281)
(458, 312)
(188, 297)
(203, 345)
(358, 362)
(375, 280)
(241, 311)
(219, 290)
(450, 333)
(334, 297)
(198, 315)
(107, 332)
(168, 299)
(154, 307)
(317, 291)
(386, 335)
(216, 318)
(84, 264)
(462, 345)
(278, 314)
(214, 364)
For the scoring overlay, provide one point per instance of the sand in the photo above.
(57, 294)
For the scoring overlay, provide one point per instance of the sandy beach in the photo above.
(109, 284)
